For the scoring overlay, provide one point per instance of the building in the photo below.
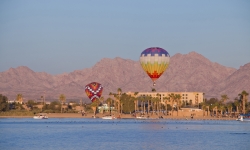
(105, 108)
(186, 98)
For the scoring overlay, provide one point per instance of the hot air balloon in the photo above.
(154, 62)
(93, 90)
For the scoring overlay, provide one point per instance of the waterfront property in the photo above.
(187, 98)
(190, 101)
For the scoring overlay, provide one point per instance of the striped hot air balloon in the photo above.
(154, 62)
(93, 90)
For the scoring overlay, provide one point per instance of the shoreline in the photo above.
(123, 116)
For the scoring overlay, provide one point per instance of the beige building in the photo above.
(187, 98)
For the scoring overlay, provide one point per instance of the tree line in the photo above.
(124, 103)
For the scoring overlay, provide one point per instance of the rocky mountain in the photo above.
(235, 83)
(187, 72)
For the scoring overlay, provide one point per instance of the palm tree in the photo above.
(230, 107)
(148, 99)
(119, 91)
(62, 99)
(19, 98)
(243, 97)
(221, 108)
(136, 100)
(171, 96)
(109, 101)
(224, 98)
(178, 99)
(94, 105)
(166, 99)
(101, 100)
(205, 107)
(237, 104)
(216, 105)
(153, 101)
(142, 100)
(157, 100)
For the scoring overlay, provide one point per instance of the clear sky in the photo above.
(63, 36)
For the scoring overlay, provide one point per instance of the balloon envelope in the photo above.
(154, 62)
(93, 90)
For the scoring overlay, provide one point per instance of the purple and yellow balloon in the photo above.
(154, 62)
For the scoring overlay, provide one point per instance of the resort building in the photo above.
(186, 98)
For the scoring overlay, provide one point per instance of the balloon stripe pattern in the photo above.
(93, 90)
(154, 61)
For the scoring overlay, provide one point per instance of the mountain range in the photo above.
(190, 72)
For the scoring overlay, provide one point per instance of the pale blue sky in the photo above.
(63, 36)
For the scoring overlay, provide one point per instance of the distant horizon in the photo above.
(114, 58)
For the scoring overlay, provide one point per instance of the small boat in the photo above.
(109, 117)
(243, 117)
(41, 116)
(142, 117)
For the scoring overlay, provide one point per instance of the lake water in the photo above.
(124, 134)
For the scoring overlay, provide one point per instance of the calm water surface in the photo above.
(125, 134)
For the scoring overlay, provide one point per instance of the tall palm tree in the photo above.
(244, 97)
(140, 98)
(221, 108)
(224, 98)
(230, 107)
(166, 99)
(62, 99)
(153, 101)
(19, 98)
(237, 104)
(148, 99)
(101, 99)
(171, 96)
(109, 101)
(157, 100)
(204, 107)
(119, 92)
(216, 107)
(144, 102)
(94, 105)
(178, 100)
(136, 100)
(112, 101)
